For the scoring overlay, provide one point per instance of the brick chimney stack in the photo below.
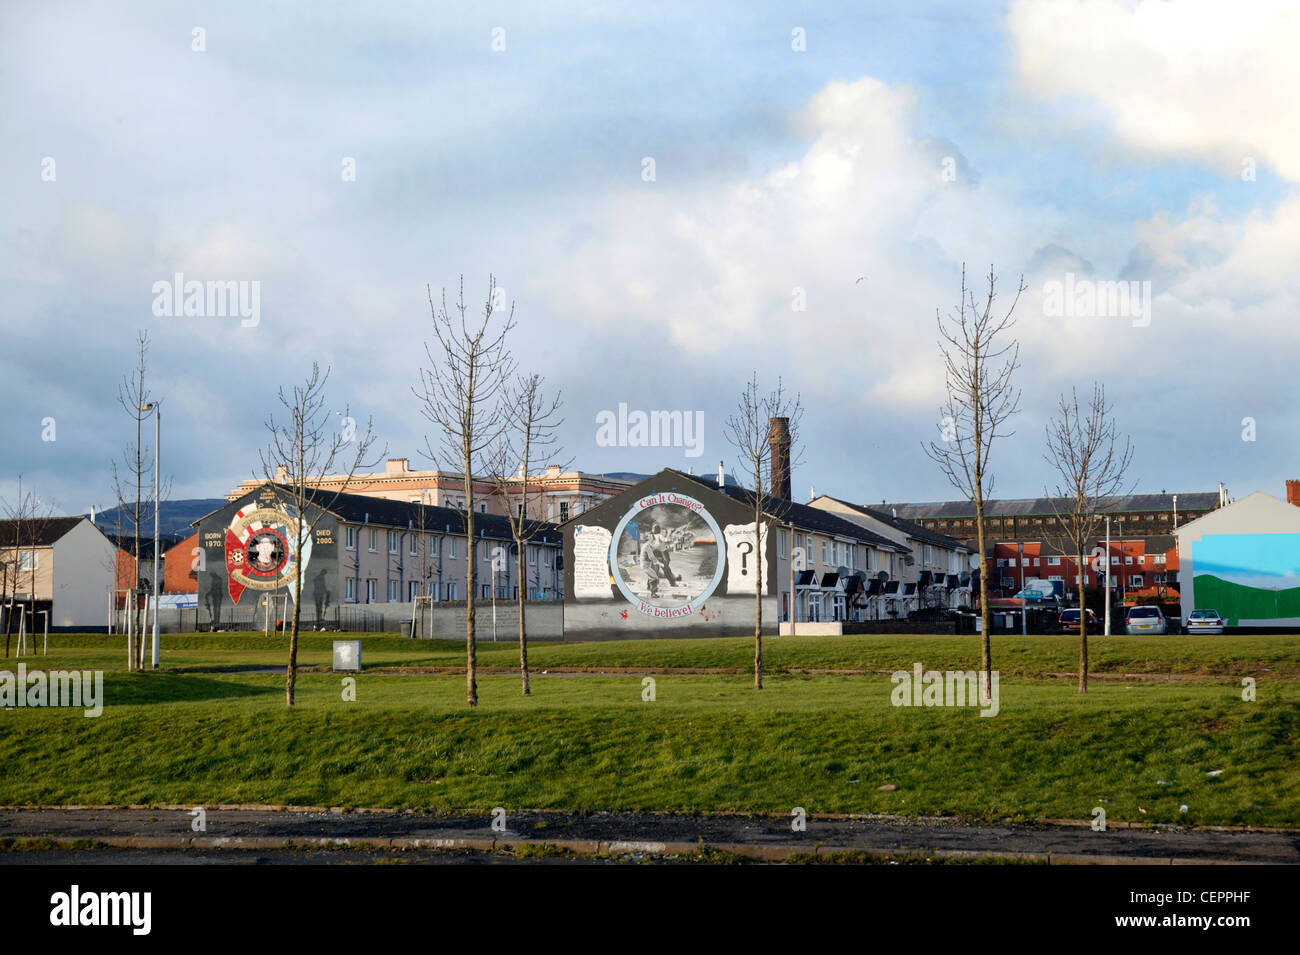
(778, 437)
(1293, 493)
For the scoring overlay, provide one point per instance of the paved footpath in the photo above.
(650, 834)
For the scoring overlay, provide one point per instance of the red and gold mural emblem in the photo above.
(259, 550)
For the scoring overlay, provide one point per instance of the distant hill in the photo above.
(174, 517)
(633, 476)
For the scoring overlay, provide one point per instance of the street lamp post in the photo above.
(157, 490)
(1106, 564)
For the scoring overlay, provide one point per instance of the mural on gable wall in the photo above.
(666, 555)
(249, 546)
(1250, 579)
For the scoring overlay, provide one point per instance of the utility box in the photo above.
(347, 655)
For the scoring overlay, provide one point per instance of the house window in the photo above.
(350, 589)
(1159, 578)
(532, 554)
(1128, 558)
(451, 551)
(564, 511)
(780, 544)
(29, 560)
(372, 539)
(1008, 583)
(1057, 577)
(394, 591)
(1002, 562)
(1053, 562)
(412, 589)
(1114, 560)
(451, 591)
(826, 550)
(415, 546)
(1135, 580)
(371, 586)
(392, 542)
(482, 508)
(351, 538)
(486, 594)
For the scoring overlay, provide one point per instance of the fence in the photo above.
(445, 619)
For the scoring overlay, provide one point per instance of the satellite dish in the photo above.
(975, 561)
(844, 572)
(909, 560)
(882, 576)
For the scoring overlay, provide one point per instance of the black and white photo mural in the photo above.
(671, 554)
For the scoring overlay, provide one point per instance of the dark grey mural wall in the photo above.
(670, 557)
(248, 556)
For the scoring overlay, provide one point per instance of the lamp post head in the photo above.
(148, 405)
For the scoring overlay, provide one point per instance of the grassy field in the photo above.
(1140, 749)
(1031, 656)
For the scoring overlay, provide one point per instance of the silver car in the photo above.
(1205, 621)
(1145, 620)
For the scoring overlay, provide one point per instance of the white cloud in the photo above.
(1177, 79)
(718, 269)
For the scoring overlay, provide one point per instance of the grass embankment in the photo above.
(706, 743)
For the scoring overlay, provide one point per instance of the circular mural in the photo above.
(666, 555)
(258, 555)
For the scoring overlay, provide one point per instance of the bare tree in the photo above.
(460, 393)
(533, 419)
(753, 430)
(302, 451)
(134, 489)
(1091, 462)
(979, 362)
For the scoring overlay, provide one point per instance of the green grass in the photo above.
(707, 743)
(1033, 656)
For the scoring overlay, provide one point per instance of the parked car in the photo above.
(1069, 621)
(1204, 621)
(1149, 620)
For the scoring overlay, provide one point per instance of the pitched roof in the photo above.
(801, 516)
(1026, 506)
(36, 531)
(404, 515)
(923, 534)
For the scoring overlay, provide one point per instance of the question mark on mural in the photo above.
(744, 555)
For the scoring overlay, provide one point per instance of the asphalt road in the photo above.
(244, 835)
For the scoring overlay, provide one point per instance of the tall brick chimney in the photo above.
(1293, 493)
(778, 437)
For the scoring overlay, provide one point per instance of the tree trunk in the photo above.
(471, 578)
(758, 602)
(986, 647)
(1083, 627)
(292, 669)
(523, 635)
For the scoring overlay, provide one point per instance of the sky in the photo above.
(673, 199)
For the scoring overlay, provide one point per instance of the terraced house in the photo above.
(364, 554)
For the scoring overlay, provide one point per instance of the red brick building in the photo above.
(1142, 568)
(179, 575)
